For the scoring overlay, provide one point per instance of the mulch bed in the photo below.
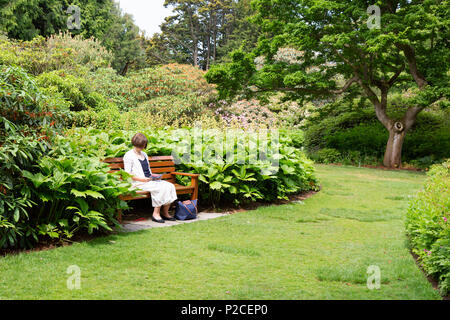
(432, 280)
(51, 244)
(254, 205)
(380, 167)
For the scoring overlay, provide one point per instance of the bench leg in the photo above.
(119, 216)
(194, 182)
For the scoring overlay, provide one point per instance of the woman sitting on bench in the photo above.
(163, 193)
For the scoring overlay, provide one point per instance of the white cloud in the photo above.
(147, 14)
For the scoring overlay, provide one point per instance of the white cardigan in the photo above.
(132, 165)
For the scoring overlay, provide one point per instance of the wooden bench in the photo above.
(161, 165)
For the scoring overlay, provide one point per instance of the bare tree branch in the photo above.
(380, 106)
(346, 86)
(395, 76)
(410, 116)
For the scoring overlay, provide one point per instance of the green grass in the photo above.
(317, 249)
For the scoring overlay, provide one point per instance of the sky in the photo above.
(147, 14)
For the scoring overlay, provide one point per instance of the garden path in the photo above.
(147, 223)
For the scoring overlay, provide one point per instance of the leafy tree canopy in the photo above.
(332, 47)
(101, 19)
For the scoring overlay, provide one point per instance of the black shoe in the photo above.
(169, 219)
(157, 220)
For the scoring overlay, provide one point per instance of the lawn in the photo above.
(317, 249)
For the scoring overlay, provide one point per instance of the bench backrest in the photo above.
(158, 164)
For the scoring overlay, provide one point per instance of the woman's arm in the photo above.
(140, 179)
(127, 165)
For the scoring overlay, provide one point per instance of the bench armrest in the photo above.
(194, 175)
(194, 182)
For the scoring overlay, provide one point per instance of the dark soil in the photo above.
(432, 280)
(383, 167)
(52, 244)
(254, 205)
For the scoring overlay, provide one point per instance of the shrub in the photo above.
(73, 54)
(428, 225)
(172, 80)
(352, 126)
(86, 52)
(173, 108)
(230, 182)
(65, 196)
(52, 192)
(29, 55)
(297, 137)
(246, 114)
(38, 191)
(118, 89)
(76, 91)
(424, 162)
(109, 118)
(17, 152)
(73, 193)
(326, 155)
(365, 138)
(290, 114)
(24, 104)
(430, 137)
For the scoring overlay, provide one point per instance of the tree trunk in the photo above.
(124, 70)
(214, 36)
(397, 131)
(208, 40)
(194, 33)
(393, 153)
(195, 56)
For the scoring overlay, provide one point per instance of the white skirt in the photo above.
(162, 192)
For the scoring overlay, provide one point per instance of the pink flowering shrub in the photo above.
(246, 114)
(291, 114)
(140, 87)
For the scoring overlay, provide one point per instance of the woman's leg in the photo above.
(161, 192)
(156, 213)
(166, 210)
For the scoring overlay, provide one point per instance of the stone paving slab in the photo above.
(130, 226)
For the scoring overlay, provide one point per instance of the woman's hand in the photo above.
(141, 179)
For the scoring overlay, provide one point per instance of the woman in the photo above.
(163, 193)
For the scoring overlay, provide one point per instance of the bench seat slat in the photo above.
(113, 160)
(163, 169)
(116, 165)
(160, 158)
(158, 164)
